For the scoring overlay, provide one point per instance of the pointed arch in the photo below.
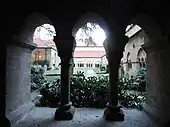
(31, 22)
(90, 17)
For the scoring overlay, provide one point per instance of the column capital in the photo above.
(65, 46)
(113, 45)
(157, 45)
(16, 42)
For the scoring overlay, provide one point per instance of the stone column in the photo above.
(65, 49)
(18, 82)
(114, 55)
(158, 79)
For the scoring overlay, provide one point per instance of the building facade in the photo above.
(88, 58)
(134, 57)
(45, 54)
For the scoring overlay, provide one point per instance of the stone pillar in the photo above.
(158, 79)
(65, 49)
(114, 55)
(18, 83)
(113, 111)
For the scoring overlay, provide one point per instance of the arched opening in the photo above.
(19, 63)
(141, 58)
(129, 62)
(89, 32)
(44, 58)
(152, 73)
(143, 33)
(89, 49)
(136, 55)
(133, 78)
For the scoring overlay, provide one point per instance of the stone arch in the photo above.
(90, 17)
(31, 22)
(141, 57)
(149, 25)
(141, 53)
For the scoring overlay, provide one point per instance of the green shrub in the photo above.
(137, 82)
(37, 77)
(141, 79)
(90, 92)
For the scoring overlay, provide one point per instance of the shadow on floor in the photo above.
(84, 117)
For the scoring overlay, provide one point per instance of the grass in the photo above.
(51, 78)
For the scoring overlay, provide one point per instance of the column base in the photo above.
(65, 113)
(112, 113)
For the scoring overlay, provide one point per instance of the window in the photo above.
(80, 64)
(55, 57)
(129, 64)
(97, 65)
(38, 56)
(133, 45)
(141, 58)
(142, 62)
(87, 65)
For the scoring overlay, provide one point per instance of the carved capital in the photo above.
(111, 45)
(65, 47)
(16, 42)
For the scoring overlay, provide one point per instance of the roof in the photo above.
(89, 54)
(44, 43)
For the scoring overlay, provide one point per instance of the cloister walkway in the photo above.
(84, 117)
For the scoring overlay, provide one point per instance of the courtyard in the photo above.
(137, 37)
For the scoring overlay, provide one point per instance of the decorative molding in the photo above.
(16, 42)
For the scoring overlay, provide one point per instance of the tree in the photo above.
(87, 31)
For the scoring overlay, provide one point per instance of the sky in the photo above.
(44, 33)
(98, 35)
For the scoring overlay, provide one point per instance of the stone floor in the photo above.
(84, 117)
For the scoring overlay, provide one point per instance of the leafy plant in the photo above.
(37, 77)
(91, 92)
(141, 79)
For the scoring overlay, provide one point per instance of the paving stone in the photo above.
(84, 117)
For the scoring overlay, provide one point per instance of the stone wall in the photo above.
(158, 89)
(133, 47)
(18, 98)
